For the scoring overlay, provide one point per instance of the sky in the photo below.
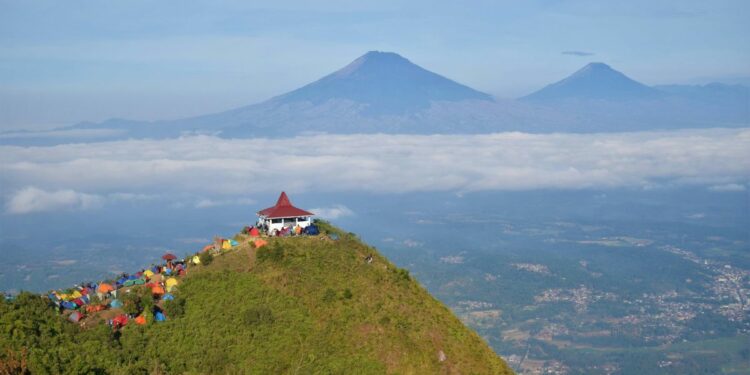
(63, 62)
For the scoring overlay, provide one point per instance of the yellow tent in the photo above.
(76, 294)
(148, 273)
(226, 245)
(197, 259)
(170, 283)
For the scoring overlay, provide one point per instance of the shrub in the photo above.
(347, 294)
(206, 258)
(175, 308)
(131, 303)
(403, 274)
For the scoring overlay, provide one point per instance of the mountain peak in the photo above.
(384, 83)
(596, 80)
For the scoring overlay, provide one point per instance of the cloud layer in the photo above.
(79, 176)
(32, 199)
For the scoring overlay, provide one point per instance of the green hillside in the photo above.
(300, 305)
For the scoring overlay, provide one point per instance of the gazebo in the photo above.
(282, 215)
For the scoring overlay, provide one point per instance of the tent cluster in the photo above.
(310, 230)
(162, 280)
(91, 298)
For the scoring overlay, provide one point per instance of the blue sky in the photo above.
(64, 62)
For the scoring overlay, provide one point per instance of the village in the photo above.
(118, 301)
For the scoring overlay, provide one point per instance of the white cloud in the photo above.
(32, 199)
(728, 188)
(333, 212)
(220, 170)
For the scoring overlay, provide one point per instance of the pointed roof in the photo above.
(283, 208)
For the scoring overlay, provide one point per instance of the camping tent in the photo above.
(196, 259)
(170, 283)
(254, 232)
(312, 230)
(157, 289)
(148, 273)
(120, 320)
(115, 303)
(105, 288)
(260, 243)
(167, 297)
(75, 317)
(159, 316)
(226, 245)
(140, 320)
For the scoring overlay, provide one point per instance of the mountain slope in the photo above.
(385, 83)
(298, 305)
(594, 81)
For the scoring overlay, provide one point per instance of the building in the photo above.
(282, 215)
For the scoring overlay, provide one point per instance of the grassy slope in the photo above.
(280, 319)
(317, 307)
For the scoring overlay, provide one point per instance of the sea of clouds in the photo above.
(221, 171)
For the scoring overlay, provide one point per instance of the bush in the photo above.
(175, 308)
(258, 315)
(347, 294)
(206, 258)
(403, 274)
(131, 303)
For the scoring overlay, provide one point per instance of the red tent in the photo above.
(120, 320)
(283, 208)
(168, 256)
(254, 232)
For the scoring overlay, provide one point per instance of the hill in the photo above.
(306, 304)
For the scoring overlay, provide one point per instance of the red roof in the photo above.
(283, 208)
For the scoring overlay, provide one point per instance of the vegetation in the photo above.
(306, 305)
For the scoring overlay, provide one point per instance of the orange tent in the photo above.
(157, 289)
(208, 247)
(260, 243)
(105, 288)
(140, 320)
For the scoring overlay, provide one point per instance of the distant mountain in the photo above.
(597, 81)
(382, 92)
(385, 83)
(308, 305)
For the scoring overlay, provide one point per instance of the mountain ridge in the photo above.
(383, 92)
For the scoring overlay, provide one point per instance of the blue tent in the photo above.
(115, 303)
(85, 299)
(167, 297)
(312, 230)
(233, 243)
(159, 317)
(69, 305)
